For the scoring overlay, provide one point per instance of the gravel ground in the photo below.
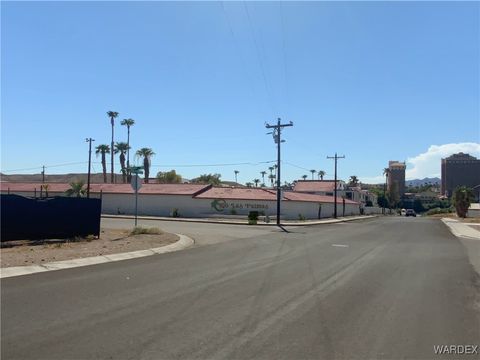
(112, 241)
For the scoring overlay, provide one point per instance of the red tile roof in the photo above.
(265, 194)
(314, 185)
(237, 194)
(194, 190)
(159, 189)
(298, 196)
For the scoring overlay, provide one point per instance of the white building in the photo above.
(191, 200)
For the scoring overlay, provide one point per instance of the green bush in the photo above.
(439, 211)
(301, 217)
(143, 230)
(175, 213)
(252, 217)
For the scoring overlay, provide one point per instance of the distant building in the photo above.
(397, 176)
(459, 170)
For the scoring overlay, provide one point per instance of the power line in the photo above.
(257, 50)
(211, 165)
(46, 166)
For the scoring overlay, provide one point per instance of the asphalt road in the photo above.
(202, 233)
(387, 288)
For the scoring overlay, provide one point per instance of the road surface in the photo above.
(386, 288)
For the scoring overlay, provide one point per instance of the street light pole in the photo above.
(89, 140)
(277, 131)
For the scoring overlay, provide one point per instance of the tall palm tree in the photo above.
(146, 154)
(271, 168)
(304, 177)
(112, 115)
(128, 123)
(122, 148)
(103, 149)
(386, 172)
(263, 173)
(313, 172)
(236, 173)
(321, 174)
(272, 179)
(256, 181)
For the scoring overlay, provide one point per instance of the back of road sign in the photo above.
(136, 183)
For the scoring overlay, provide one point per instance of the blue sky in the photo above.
(374, 81)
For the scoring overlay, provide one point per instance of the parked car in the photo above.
(410, 212)
(403, 212)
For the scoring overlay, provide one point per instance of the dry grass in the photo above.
(138, 230)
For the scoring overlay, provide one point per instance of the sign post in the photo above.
(136, 185)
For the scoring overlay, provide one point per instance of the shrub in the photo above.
(301, 217)
(233, 212)
(252, 217)
(142, 230)
(439, 211)
(175, 213)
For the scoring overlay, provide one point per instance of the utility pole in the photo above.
(277, 132)
(336, 157)
(43, 174)
(89, 140)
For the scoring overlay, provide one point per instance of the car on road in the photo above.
(410, 212)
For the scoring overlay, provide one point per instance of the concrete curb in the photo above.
(230, 222)
(181, 244)
(461, 230)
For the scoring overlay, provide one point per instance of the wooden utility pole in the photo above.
(336, 157)
(277, 132)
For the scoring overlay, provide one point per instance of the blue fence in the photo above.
(50, 218)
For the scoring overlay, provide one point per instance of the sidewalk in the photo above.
(461, 229)
(244, 222)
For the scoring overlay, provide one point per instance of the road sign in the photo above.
(136, 169)
(136, 183)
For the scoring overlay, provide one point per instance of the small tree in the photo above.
(304, 177)
(256, 181)
(76, 189)
(462, 198)
(213, 179)
(169, 177)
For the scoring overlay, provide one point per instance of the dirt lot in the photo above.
(112, 241)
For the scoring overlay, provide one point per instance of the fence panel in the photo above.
(50, 218)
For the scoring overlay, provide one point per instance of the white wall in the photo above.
(163, 205)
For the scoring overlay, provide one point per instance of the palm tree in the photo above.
(112, 115)
(146, 154)
(386, 172)
(353, 180)
(128, 122)
(304, 177)
(103, 149)
(248, 184)
(271, 168)
(256, 181)
(321, 174)
(272, 178)
(263, 173)
(122, 148)
(313, 172)
(76, 188)
(236, 173)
